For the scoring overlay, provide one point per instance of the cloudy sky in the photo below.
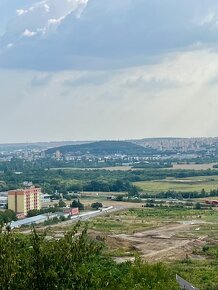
(99, 69)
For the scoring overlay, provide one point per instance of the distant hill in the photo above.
(37, 145)
(104, 147)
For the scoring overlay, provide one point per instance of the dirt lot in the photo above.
(154, 234)
(161, 244)
(170, 242)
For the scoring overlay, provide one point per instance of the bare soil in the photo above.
(160, 244)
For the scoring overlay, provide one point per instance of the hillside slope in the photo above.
(104, 147)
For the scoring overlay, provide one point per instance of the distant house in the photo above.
(3, 199)
(45, 198)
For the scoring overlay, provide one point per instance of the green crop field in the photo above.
(179, 185)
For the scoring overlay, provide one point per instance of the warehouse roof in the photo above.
(29, 221)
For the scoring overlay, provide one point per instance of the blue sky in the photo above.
(99, 69)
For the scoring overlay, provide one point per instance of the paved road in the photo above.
(82, 217)
(89, 215)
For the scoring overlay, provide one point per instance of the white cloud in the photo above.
(45, 16)
(41, 4)
(29, 33)
(164, 79)
(47, 7)
(57, 21)
(209, 18)
(183, 69)
(78, 43)
(176, 97)
(21, 12)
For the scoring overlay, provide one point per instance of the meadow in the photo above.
(141, 219)
(180, 185)
(194, 166)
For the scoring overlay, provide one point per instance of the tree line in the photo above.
(180, 194)
(88, 180)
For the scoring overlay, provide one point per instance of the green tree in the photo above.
(74, 204)
(133, 191)
(119, 197)
(96, 205)
(203, 193)
(8, 215)
(197, 205)
(80, 205)
(61, 203)
(73, 262)
(33, 212)
(77, 204)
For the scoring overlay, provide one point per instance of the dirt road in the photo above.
(164, 243)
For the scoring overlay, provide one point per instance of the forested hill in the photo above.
(104, 147)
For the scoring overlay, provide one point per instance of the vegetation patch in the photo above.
(73, 262)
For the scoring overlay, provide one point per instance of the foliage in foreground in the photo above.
(7, 216)
(73, 262)
(202, 273)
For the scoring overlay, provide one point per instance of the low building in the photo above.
(212, 202)
(23, 200)
(3, 202)
(3, 199)
(71, 211)
(29, 221)
(46, 198)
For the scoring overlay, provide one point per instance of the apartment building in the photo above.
(23, 200)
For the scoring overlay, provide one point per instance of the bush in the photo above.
(72, 262)
(197, 205)
(61, 203)
(7, 216)
(77, 204)
(96, 205)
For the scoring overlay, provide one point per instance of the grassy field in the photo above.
(140, 219)
(193, 166)
(201, 272)
(157, 215)
(122, 223)
(179, 185)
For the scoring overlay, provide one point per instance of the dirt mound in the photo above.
(113, 242)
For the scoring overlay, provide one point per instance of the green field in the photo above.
(136, 220)
(179, 185)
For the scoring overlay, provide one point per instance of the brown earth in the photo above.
(160, 244)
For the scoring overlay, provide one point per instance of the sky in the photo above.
(99, 69)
